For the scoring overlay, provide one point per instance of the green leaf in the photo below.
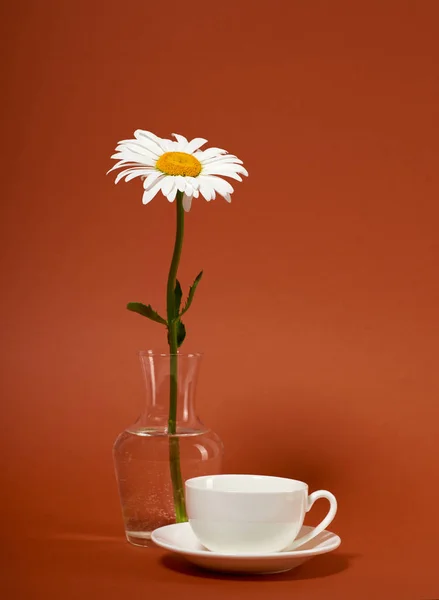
(146, 311)
(181, 333)
(192, 292)
(178, 294)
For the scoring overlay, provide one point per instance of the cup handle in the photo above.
(329, 517)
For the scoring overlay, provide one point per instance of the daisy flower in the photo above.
(170, 166)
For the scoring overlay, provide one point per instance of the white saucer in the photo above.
(180, 539)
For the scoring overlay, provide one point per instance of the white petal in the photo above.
(150, 140)
(207, 191)
(195, 144)
(124, 163)
(222, 171)
(180, 183)
(196, 193)
(145, 174)
(148, 195)
(228, 197)
(164, 143)
(167, 185)
(152, 179)
(188, 190)
(130, 174)
(210, 182)
(193, 181)
(226, 158)
(243, 171)
(229, 167)
(169, 145)
(128, 155)
(177, 147)
(187, 202)
(220, 185)
(139, 147)
(132, 167)
(181, 140)
(209, 153)
(172, 194)
(142, 133)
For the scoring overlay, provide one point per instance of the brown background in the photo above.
(318, 312)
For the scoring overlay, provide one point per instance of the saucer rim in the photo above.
(335, 543)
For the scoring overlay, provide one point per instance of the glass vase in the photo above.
(151, 463)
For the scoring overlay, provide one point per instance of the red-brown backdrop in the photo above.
(318, 311)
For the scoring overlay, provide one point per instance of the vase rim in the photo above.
(153, 353)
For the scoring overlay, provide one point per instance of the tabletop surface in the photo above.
(82, 566)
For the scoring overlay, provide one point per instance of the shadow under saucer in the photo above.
(319, 566)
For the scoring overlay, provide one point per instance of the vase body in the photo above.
(142, 455)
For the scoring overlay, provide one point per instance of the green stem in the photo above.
(174, 445)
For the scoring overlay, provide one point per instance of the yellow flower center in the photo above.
(179, 163)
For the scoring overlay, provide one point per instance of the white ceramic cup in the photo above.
(247, 514)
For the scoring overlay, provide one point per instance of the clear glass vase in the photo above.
(150, 463)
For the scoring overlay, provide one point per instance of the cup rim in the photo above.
(192, 484)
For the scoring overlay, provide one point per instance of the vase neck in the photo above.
(156, 370)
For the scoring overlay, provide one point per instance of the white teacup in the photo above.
(246, 514)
